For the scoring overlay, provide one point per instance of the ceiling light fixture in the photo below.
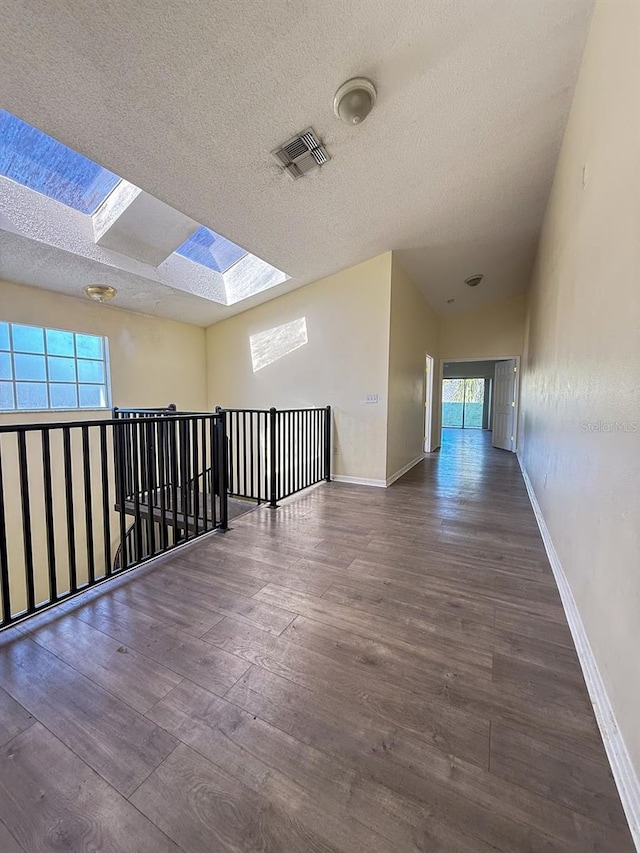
(473, 280)
(354, 100)
(100, 292)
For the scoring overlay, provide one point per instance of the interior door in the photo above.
(428, 402)
(504, 395)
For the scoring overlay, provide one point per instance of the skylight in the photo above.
(53, 195)
(38, 161)
(210, 250)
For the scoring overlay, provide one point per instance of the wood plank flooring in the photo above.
(360, 671)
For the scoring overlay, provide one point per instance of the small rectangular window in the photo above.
(52, 369)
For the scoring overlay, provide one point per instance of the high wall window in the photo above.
(52, 369)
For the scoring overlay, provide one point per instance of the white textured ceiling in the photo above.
(186, 100)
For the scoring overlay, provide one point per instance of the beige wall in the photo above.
(581, 374)
(346, 358)
(414, 332)
(493, 330)
(153, 361)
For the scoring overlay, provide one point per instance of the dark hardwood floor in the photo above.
(361, 671)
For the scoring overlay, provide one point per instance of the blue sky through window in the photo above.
(51, 369)
(41, 163)
(210, 250)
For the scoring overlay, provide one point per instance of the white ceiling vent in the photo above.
(301, 154)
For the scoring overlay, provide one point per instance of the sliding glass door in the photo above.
(462, 403)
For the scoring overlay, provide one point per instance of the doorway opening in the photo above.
(463, 402)
(482, 394)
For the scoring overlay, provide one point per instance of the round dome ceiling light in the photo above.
(354, 100)
(473, 280)
(100, 292)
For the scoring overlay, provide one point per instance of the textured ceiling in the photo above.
(186, 100)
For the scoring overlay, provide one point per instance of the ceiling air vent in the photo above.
(301, 154)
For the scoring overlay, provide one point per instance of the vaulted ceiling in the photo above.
(186, 100)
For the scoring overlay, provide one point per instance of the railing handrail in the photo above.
(48, 425)
(159, 410)
(274, 409)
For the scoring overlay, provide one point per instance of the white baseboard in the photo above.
(358, 481)
(381, 484)
(404, 469)
(621, 766)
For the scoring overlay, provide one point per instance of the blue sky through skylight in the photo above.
(210, 250)
(41, 163)
(47, 169)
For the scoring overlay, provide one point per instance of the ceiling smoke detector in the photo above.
(301, 154)
(100, 292)
(473, 280)
(354, 100)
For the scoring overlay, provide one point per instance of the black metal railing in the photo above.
(274, 453)
(84, 500)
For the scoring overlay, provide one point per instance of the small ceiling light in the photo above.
(100, 292)
(354, 100)
(449, 301)
(473, 280)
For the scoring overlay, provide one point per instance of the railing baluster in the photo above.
(298, 451)
(307, 447)
(184, 477)
(68, 492)
(320, 446)
(303, 450)
(327, 444)
(150, 463)
(221, 451)
(48, 514)
(232, 488)
(236, 464)
(285, 451)
(303, 464)
(244, 453)
(292, 452)
(252, 454)
(26, 520)
(214, 480)
(273, 465)
(259, 493)
(309, 417)
(4, 558)
(120, 443)
(164, 482)
(106, 509)
(195, 477)
(88, 510)
(174, 478)
(137, 489)
(206, 474)
(315, 446)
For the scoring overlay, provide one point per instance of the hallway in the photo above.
(361, 671)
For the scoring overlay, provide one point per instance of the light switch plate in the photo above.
(371, 398)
